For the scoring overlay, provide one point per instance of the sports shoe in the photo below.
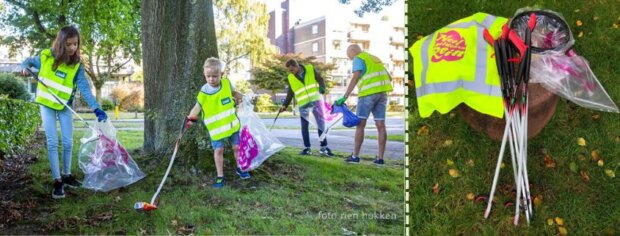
(70, 181)
(326, 152)
(378, 162)
(306, 152)
(58, 191)
(352, 160)
(243, 174)
(219, 182)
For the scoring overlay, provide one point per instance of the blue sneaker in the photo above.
(243, 174)
(219, 182)
(352, 160)
(378, 162)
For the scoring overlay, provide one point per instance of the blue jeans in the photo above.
(374, 103)
(304, 114)
(233, 140)
(65, 117)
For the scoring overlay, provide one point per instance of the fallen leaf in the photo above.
(595, 18)
(419, 37)
(174, 223)
(470, 196)
(609, 231)
(452, 115)
(436, 188)
(576, 10)
(538, 201)
(610, 173)
(142, 231)
(584, 175)
(550, 221)
(581, 157)
(117, 199)
(501, 166)
(615, 26)
(601, 163)
(423, 130)
(562, 230)
(578, 23)
(449, 162)
(595, 155)
(549, 162)
(596, 117)
(447, 143)
(580, 34)
(470, 162)
(581, 142)
(617, 139)
(573, 167)
(559, 221)
(454, 173)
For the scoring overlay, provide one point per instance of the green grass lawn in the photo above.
(391, 137)
(587, 207)
(288, 194)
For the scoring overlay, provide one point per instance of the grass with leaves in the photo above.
(573, 185)
(287, 194)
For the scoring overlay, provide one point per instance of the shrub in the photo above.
(264, 104)
(107, 105)
(12, 86)
(19, 120)
(130, 97)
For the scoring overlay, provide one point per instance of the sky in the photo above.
(317, 8)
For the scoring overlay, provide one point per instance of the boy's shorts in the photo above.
(233, 140)
(374, 103)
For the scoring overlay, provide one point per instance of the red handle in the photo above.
(487, 36)
(532, 22)
(505, 31)
(517, 42)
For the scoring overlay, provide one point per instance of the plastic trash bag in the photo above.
(569, 76)
(256, 143)
(551, 33)
(105, 162)
(319, 114)
(349, 118)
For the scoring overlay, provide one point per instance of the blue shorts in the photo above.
(374, 103)
(233, 140)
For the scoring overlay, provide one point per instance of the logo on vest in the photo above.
(449, 46)
(225, 100)
(61, 74)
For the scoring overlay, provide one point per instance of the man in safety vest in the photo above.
(306, 85)
(373, 82)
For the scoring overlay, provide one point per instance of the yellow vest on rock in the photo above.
(456, 65)
(60, 82)
(218, 112)
(375, 79)
(305, 92)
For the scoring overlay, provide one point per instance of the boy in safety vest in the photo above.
(216, 101)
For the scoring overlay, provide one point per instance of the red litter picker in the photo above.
(146, 206)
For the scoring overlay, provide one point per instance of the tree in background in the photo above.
(272, 73)
(375, 6)
(109, 30)
(241, 28)
(243, 86)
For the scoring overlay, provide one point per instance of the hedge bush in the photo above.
(19, 121)
(12, 86)
(264, 104)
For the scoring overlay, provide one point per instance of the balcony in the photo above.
(397, 73)
(397, 56)
(359, 35)
(397, 39)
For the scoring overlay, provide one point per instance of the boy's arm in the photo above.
(238, 97)
(194, 112)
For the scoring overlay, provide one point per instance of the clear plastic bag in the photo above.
(105, 162)
(569, 76)
(319, 114)
(256, 143)
(551, 34)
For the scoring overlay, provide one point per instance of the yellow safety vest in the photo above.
(305, 92)
(375, 79)
(456, 65)
(218, 112)
(60, 82)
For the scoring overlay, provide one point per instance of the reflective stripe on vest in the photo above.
(218, 112)
(375, 79)
(305, 92)
(60, 82)
(448, 71)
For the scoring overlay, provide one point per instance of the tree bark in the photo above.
(177, 37)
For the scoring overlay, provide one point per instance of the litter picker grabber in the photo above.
(145, 206)
(95, 134)
(274, 121)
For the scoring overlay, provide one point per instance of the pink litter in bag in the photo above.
(248, 151)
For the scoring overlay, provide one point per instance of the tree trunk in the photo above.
(177, 37)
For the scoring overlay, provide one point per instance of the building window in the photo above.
(315, 29)
(336, 44)
(315, 47)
